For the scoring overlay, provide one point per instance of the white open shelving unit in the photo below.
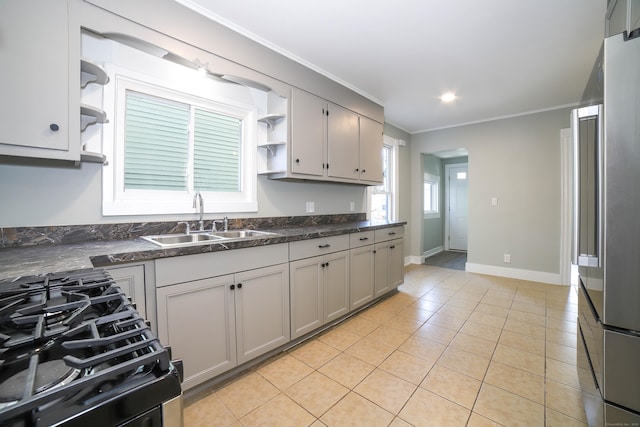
(91, 73)
(272, 150)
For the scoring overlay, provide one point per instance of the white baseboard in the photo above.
(412, 260)
(514, 273)
(432, 252)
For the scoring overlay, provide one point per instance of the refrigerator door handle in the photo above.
(587, 113)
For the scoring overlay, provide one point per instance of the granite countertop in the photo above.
(34, 260)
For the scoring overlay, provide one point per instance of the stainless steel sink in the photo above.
(203, 238)
(171, 240)
(241, 234)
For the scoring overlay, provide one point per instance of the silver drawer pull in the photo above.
(324, 246)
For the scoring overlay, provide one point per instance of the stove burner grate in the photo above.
(49, 375)
(70, 340)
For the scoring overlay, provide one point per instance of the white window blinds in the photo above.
(158, 146)
(217, 151)
(156, 143)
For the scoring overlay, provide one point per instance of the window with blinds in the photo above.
(165, 140)
(171, 138)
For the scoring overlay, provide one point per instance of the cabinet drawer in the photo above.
(362, 238)
(313, 247)
(383, 234)
(200, 266)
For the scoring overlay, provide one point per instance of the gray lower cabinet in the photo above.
(389, 259)
(197, 319)
(131, 279)
(362, 272)
(217, 323)
(389, 266)
(262, 310)
(319, 272)
(396, 263)
(219, 310)
(319, 291)
(382, 253)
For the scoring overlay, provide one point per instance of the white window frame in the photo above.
(116, 201)
(392, 169)
(434, 182)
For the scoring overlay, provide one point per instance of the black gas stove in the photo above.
(74, 351)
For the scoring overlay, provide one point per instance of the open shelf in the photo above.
(91, 115)
(271, 119)
(92, 73)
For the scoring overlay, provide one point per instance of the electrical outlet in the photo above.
(494, 201)
(507, 258)
(352, 206)
(311, 207)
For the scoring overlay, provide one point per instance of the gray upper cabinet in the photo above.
(343, 143)
(308, 115)
(371, 142)
(332, 143)
(36, 80)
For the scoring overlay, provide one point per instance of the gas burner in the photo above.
(48, 376)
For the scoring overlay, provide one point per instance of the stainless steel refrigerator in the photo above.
(606, 132)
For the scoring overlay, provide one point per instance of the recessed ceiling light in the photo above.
(448, 97)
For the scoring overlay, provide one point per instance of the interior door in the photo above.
(458, 189)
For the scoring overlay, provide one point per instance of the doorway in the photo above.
(456, 206)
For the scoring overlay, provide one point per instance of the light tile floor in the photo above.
(450, 349)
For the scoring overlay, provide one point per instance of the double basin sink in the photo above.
(204, 237)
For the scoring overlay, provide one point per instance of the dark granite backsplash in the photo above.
(72, 234)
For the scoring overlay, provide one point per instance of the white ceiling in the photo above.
(501, 57)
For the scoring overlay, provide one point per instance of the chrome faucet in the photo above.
(225, 224)
(187, 228)
(195, 199)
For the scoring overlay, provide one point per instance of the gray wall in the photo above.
(516, 160)
(56, 195)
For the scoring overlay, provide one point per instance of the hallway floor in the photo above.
(450, 349)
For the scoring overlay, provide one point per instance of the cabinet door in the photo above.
(34, 79)
(262, 310)
(336, 285)
(197, 320)
(396, 263)
(307, 296)
(308, 132)
(343, 142)
(130, 278)
(362, 276)
(370, 150)
(381, 277)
